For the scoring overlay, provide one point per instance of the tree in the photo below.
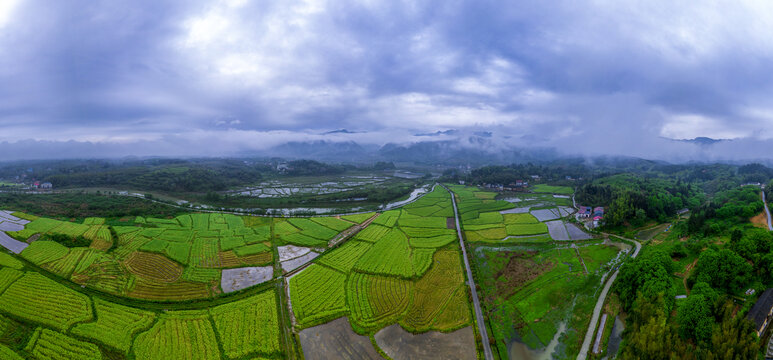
(652, 336)
(649, 275)
(723, 269)
(736, 236)
(765, 267)
(694, 318)
(734, 338)
(620, 210)
(762, 239)
(705, 290)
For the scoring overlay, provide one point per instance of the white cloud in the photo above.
(688, 126)
(7, 8)
(428, 112)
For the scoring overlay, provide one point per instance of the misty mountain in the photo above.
(439, 133)
(473, 150)
(703, 141)
(348, 151)
(340, 131)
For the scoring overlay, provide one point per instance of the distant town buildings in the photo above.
(46, 186)
(518, 185)
(762, 312)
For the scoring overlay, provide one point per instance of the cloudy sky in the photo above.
(218, 77)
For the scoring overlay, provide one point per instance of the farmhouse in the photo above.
(761, 313)
(46, 185)
(518, 185)
(498, 187)
(584, 212)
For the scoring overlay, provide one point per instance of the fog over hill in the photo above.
(449, 147)
(427, 81)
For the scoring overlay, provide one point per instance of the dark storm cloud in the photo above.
(247, 74)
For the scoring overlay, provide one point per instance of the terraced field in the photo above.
(399, 270)
(179, 258)
(151, 288)
(62, 323)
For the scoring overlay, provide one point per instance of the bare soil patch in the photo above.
(760, 221)
(400, 344)
(336, 340)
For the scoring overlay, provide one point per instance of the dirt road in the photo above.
(599, 304)
(478, 313)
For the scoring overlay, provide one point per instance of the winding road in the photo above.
(478, 313)
(600, 304)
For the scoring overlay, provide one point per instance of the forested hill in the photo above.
(170, 175)
(637, 199)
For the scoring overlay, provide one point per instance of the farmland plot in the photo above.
(36, 298)
(12, 244)
(249, 326)
(558, 230)
(433, 290)
(116, 325)
(335, 340)
(546, 214)
(344, 258)
(49, 344)
(391, 255)
(317, 294)
(292, 264)
(241, 278)
(575, 233)
(376, 301)
(400, 344)
(179, 335)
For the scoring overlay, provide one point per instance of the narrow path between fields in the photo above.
(767, 211)
(471, 283)
(600, 303)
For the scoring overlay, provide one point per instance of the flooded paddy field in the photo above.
(291, 187)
